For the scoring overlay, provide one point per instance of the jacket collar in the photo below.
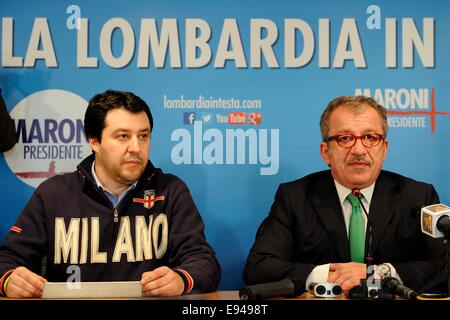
(386, 197)
(84, 169)
(325, 201)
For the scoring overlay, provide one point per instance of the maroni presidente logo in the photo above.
(407, 108)
(50, 136)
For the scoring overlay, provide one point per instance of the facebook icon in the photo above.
(189, 117)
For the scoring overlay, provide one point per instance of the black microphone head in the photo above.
(443, 224)
(393, 286)
(355, 292)
(245, 293)
(390, 284)
(356, 192)
(287, 287)
(299, 286)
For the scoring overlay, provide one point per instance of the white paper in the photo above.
(116, 289)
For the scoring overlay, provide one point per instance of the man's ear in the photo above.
(93, 142)
(324, 152)
(386, 143)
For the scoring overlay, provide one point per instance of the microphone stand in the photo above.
(443, 276)
(370, 287)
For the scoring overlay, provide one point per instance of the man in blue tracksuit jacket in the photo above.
(116, 218)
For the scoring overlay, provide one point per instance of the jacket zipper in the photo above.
(115, 225)
(115, 219)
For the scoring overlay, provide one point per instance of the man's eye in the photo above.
(345, 138)
(370, 137)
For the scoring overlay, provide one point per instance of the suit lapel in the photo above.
(325, 200)
(382, 207)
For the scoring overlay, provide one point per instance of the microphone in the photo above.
(325, 289)
(288, 287)
(369, 287)
(394, 286)
(435, 220)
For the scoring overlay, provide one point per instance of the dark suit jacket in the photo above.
(7, 131)
(306, 228)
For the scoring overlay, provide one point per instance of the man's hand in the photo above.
(162, 281)
(347, 275)
(23, 283)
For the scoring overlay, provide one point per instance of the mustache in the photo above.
(359, 160)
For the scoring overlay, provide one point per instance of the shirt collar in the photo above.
(114, 200)
(343, 192)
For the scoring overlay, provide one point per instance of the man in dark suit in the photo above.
(7, 131)
(316, 230)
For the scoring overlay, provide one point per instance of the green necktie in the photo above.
(357, 237)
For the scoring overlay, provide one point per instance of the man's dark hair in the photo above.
(102, 103)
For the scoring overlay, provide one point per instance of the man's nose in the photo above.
(133, 145)
(358, 147)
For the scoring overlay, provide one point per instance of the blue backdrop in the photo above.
(236, 89)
